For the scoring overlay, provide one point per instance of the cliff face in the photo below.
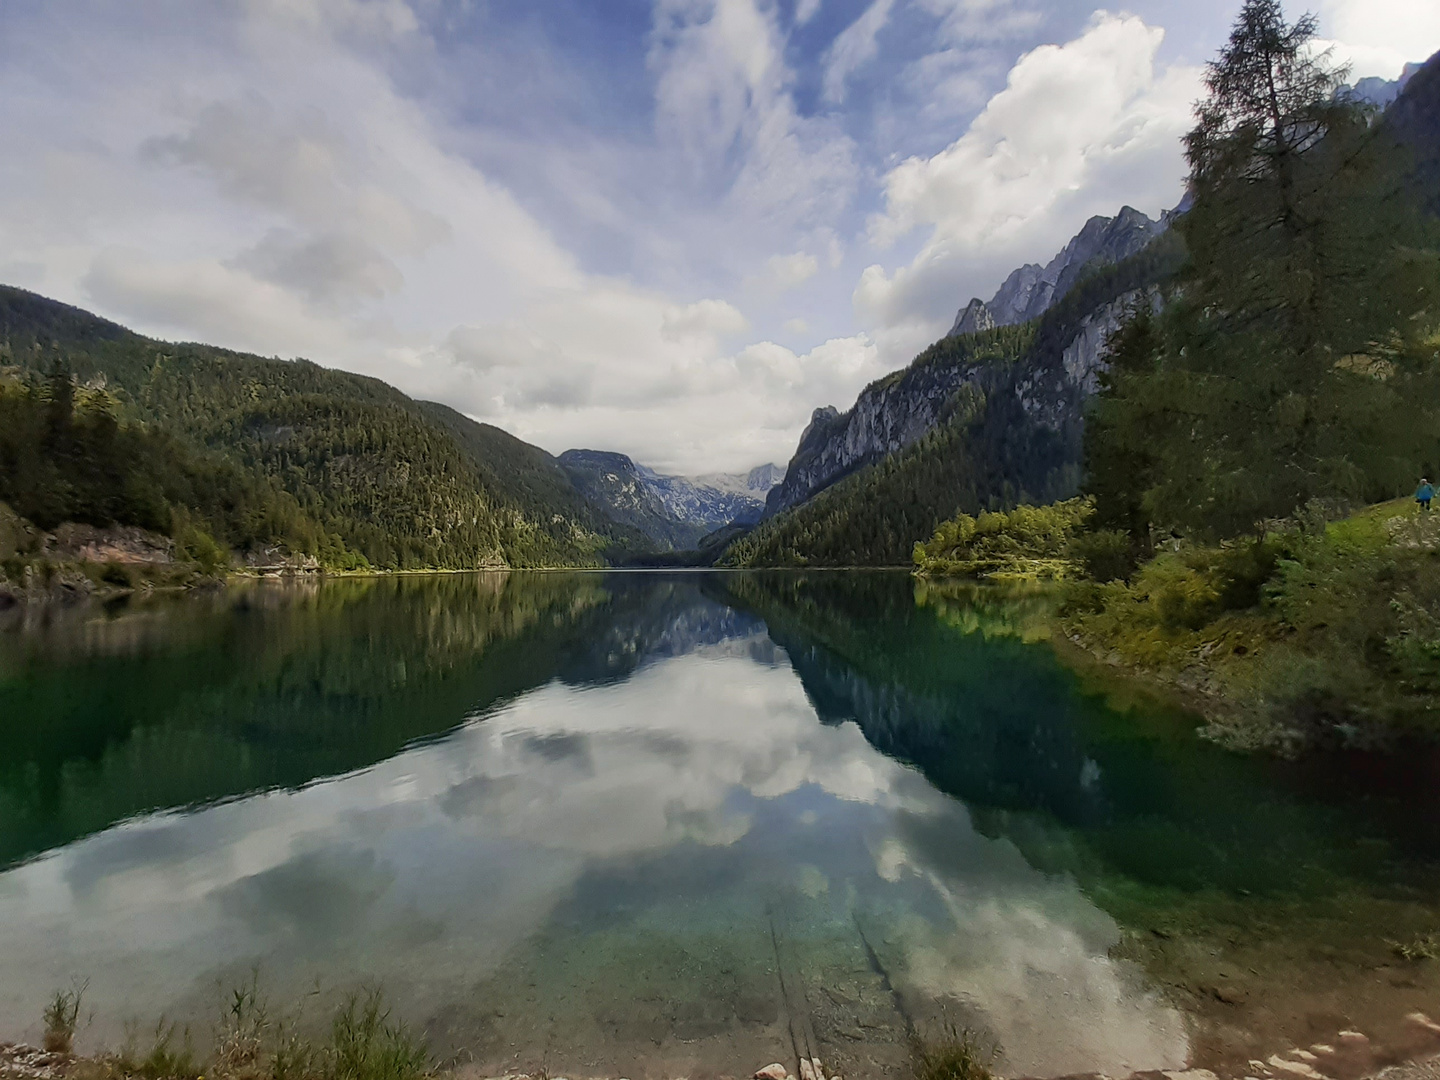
(888, 415)
(1032, 290)
(1039, 383)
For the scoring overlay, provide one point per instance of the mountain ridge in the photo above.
(674, 511)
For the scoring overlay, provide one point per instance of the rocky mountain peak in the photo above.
(1030, 290)
(975, 318)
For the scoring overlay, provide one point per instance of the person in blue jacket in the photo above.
(1424, 493)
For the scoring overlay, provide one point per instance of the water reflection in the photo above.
(615, 824)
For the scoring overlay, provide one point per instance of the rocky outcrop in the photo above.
(974, 319)
(72, 542)
(888, 416)
(1037, 397)
(1414, 119)
(1032, 290)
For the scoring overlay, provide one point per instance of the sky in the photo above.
(671, 228)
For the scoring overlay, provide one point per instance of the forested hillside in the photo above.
(1010, 431)
(399, 483)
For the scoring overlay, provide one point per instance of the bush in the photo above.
(1104, 555)
(1029, 541)
(62, 1016)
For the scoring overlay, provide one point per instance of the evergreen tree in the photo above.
(1291, 361)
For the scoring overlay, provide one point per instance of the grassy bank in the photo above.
(1319, 631)
(249, 1042)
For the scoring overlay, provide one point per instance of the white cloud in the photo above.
(786, 272)
(805, 10)
(290, 200)
(1378, 37)
(723, 94)
(854, 48)
(1078, 129)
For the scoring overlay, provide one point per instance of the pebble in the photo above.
(1294, 1068)
(773, 1071)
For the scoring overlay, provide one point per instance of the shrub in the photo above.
(62, 1015)
(1104, 555)
(1029, 541)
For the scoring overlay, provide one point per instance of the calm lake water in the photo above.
(663, 824)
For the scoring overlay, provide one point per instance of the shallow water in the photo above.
(666, 824)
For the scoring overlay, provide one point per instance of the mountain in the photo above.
(896, 411)
(674, 512)
(1414, 119)
(977, 420)
(993, 414)
(1031, 290)
(1381, 92)
(398, 482)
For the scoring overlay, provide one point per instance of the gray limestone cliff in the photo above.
(1041, 390)
(1032, 290)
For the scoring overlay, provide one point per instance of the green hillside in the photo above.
(986, 453)
(401, 483)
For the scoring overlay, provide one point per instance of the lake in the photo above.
(663, 824)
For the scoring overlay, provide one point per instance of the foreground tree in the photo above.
(1292, 362)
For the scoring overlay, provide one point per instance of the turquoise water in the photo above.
(650, 824)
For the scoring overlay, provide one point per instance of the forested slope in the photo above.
(404, 484)
(1008, 430)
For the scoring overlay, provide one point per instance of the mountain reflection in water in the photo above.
(624, 824)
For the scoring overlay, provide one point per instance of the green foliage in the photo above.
(66, 456)
(1326, 632)
(1028, 541)
(1295, 360)
(366, 1045)
(380, 479)
(169, 1056)
(1104, 554)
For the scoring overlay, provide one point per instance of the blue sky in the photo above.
(667, 227)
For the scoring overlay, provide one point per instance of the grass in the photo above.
(1320, 632)
(958, 1056)
(251, 1043)
(62, 1016)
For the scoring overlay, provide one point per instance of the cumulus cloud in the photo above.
(1380, 38)
(328, 178)
(1078, 128)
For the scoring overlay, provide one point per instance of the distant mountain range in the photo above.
(675, 512)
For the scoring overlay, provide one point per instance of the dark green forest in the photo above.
(347, 469)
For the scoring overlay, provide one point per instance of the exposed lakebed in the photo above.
(663, 824)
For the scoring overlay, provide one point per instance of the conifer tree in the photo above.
(1288, 364)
